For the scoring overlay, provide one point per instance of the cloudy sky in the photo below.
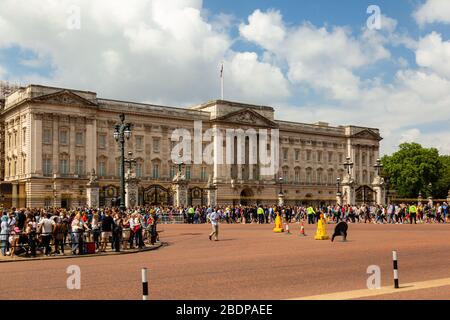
(312, 60)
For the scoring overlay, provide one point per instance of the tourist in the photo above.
(214, 218)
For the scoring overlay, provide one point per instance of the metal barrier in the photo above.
(171, 218)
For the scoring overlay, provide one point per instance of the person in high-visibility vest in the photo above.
(310, 211)
(413, 213)
(191, 213)
(260, 213)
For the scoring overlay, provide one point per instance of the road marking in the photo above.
(355, 294)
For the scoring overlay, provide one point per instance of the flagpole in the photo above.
(221, 81)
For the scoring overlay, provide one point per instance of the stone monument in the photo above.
(92, 190)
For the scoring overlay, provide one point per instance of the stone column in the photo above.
(377, 185)
(448, 197)
(92, 191)
(180, 189)
(348, 190)
(15, 192)
(93, 197)
(131, 192)
(339, 199)
(211, 193)
(281, 199)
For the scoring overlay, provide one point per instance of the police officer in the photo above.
(413, 213)
(260, 213)
(310, 211)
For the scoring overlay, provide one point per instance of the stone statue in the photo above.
(92, 176)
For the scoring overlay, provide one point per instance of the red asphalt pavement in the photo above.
(249, 262)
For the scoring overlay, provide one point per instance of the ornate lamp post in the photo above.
(130, 161)
(338, 183)
(122, 131)
(348, 165)
(281, 194)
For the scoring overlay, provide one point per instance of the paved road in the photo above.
(250, 262)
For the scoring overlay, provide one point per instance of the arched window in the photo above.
(297, 175)
(309, 175)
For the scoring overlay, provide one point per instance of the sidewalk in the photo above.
(68, 254)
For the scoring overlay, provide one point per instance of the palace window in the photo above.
(79, 138)
(203, 174)
(297, 155)
(330, 157)
(297, 175)
(63, 166)
(173, 171)
(139, 169)
(24, 136)
(341, 158)
(285, 154)
(188, 172)
(47, 166)
(155, 171)
(139, 142)
(308, 155)
(63, 137)
(156, 145)
(330, 177)
(102, 168)
(319, 156)
(102, 140)
(79, 167)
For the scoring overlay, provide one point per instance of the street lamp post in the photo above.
(122, 131)
(280, 180)
(348, 165)
(338, 183)
(130, 161)
(378, 167)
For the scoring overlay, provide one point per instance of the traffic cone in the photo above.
(287, 229)
(278, 224)
(302, 229)
(321, 233)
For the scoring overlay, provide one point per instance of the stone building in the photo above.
(53, 137)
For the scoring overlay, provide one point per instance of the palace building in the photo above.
(52, 138)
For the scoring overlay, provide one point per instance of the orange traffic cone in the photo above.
(287, 229)
(302, 229)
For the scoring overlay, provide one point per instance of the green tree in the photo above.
(412, 168)
(443, 183)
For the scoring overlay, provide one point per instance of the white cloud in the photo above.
(411, 135)
(434, 53)
(433, 11)
(266, 29)
(245, 79)
(311, 52)
(146, 50)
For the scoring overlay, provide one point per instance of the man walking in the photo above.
(214, 218)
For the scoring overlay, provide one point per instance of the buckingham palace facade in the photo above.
(52, 138)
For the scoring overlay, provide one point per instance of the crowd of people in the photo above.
(30, 231)
(393, 213)
(51, 231)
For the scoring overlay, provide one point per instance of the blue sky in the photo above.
(311, 60)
